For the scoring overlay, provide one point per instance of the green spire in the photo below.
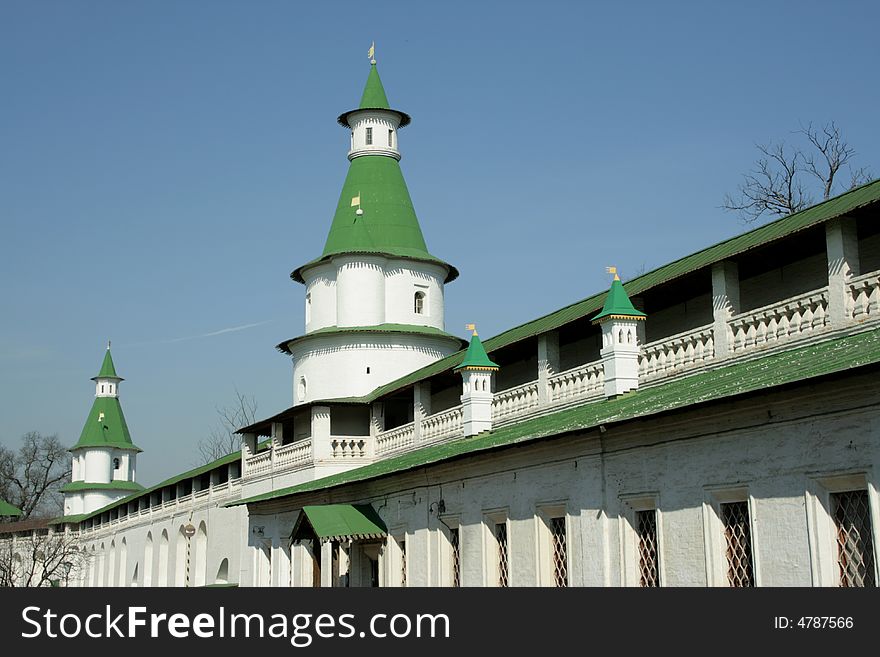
(374, 93)
(108, 371)
(617, 304)
(476, 357)
(375, 213)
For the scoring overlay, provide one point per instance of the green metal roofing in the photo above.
(476, 356)
(106, 427)
(378, 328)
(778, 229)
(776, 369)
(75, 486)
(335, 522)
(8, 511)
(374, 98)
(617, 303)
(107, 370)
(374, 93)
(388, 225)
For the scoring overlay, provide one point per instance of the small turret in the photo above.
(620, 342)
(477, 391)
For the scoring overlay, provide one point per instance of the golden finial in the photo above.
(471, 327)
(612, 270)
(371, 53)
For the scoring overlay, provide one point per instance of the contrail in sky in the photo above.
(231, 329)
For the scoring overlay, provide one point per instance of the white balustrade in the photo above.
(297, 453)
(348, 447)
(793, 317)
(394, 439)
(581, 381)
(447, 424)
(864, 296)
(259, 463)
(515, 401)
(676, 351)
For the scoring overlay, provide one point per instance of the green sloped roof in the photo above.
(107, 369)
(778, 229)
(335, 522)
(388, 225)
(107, 430)
(75, 486)
(617, 303)
(8, 511)
(378, 328)
(476, 356)
(819, 359)
(374, 93)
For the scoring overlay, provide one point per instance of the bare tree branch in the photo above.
(222, 440)
(32, 477)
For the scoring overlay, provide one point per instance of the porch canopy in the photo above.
(338, 522)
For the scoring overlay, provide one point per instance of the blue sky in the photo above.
(165, 165)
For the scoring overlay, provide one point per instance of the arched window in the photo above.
(301, 388)
(116, 463)
(369, 136)
(419, 303)
(222, 572)
(390, 138)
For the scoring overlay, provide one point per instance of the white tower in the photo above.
(104, 458)
(620, 342)
(374, 298)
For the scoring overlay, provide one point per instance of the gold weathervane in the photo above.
(612, 270)
(471, 327)
(371, 53)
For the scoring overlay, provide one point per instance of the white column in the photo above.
(377, 418)
(548, 363)
(328, 567)
(725, 304)
(842, 245)
(320, 434)
(248, 449)
(639, 304)
(421, 407)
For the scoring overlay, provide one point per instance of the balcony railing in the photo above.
(864, 296)
(349, 447)
(442, 425)
(298, 453)
(677, 351)
(514, 401)
(579, 382)
(792, 317)
(395, 439)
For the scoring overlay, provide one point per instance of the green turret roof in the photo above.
(374, 98)
(617, 304)
(374, 93)
(476, 357)
(387, 224)
(108, 371)
(8, 511)
(106, 427)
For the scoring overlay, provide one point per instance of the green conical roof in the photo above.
(106, 427)
(374, 185)
(476, 356)
(374, 93)
(107, 371)
(8, 511)
(617, 304)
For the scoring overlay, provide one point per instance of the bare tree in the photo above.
(776, 185)
(31, 477)
(39, 557)
(222, 440)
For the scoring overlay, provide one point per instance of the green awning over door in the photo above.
(336, 522)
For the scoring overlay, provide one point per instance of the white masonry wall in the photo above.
(781, 453)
